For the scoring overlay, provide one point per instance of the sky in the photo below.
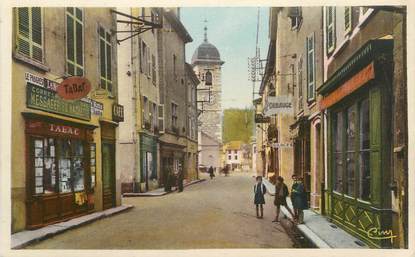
(233, 31)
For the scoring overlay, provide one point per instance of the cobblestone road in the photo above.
(217, 213)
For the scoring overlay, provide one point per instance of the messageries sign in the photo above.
(278, 105)
(74, 88)
(47, 100)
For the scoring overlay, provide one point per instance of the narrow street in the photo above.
(217, 213)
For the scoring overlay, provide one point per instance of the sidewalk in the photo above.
(321, 232)
(23, 238)
(160, 191)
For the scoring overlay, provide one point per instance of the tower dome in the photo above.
(206, 53)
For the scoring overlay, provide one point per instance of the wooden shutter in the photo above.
(148, 62)
(109, 59)
(161, 118)
(37, 51)
(310, 67)
(375, 146)
(102, 57)
(347, 18)
(70, 48)
(79, 44)
(330, 29)
(23, 44)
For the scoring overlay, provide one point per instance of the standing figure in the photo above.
(211, 172)
(281, 193)
(299, 199)
(259, 200)
(226, 170)
(167, 179)
(180, 177)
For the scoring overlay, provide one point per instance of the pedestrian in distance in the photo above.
(226, 170)
(180, 178)
(259, 200)
(299, 199)
(281, 194)
(211, 172)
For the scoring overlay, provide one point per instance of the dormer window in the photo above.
(208, 78)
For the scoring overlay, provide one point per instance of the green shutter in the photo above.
(70, 39)
(79, 44)
(375, 145)
(37, 52)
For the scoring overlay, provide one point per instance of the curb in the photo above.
(58, 228)
(149, 194)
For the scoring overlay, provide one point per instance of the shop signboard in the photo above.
(74, 88)
(278, 105)
(282, 145)
(97, 108)
(47, 100)
(259, 118)
(117, 113)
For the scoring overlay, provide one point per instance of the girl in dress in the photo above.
(259, 200)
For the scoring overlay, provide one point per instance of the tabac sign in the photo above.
(278, 105)
(47, 100)
(74, 88)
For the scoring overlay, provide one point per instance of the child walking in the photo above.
(259, 200)
(298, 199)
(281, 193)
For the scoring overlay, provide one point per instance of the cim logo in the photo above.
(74, 88)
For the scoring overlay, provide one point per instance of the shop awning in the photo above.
(358, 70)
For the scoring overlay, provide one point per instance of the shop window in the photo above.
(330, 29)
(45, 166)
(93, 165)
(352, 146)
(105, 56)
(364, 151)
(30, 33)
(59, 165)
(338, 152)
(74, 41)
(350, 149)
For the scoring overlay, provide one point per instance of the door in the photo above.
(108, 174)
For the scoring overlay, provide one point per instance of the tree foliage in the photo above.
(238, 125)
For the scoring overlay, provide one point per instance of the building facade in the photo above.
(138, 61)
(207, 66)
(174, 142)
(366, 139)
(63, 152)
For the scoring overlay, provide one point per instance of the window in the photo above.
(229, 151)
(93, 164)
(105, 48)
(174, 115)
(310, 68)
(351, 151)
(236, 157)
(45, 165)
(145, 111)
(364, 151)
(300, 83)
(74, 41)
(338, 151)
(30, 33)
(153, 69)
(150, 115)
(347, 19)
(155, 116)
(235, 152)
(208, 78)
(174, 66)
(294, 13)
(229, 157)
(330, 29)
(161, 118)
(58, 165)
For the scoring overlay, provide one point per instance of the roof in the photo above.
(178, 26)
(206, 53)
(269, 66)
(191, 74)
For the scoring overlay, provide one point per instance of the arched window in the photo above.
(208, 78)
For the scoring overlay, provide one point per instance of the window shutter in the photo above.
(79, 47)
(153, 68)
(375, 144)
(330, 28)
(37, 51)
(109, 59)
(347, 18)
(102, 61)
(23, 44)
(161, 118)
(140, 51)
(148, 62)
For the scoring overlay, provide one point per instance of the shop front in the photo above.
(60, 161)
(172, 162)
(148, 153)
(356, 99)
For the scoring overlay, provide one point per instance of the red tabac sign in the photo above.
(74, 88)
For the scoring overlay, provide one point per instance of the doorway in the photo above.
(108, 174)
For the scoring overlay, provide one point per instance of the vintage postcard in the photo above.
(272, 127)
